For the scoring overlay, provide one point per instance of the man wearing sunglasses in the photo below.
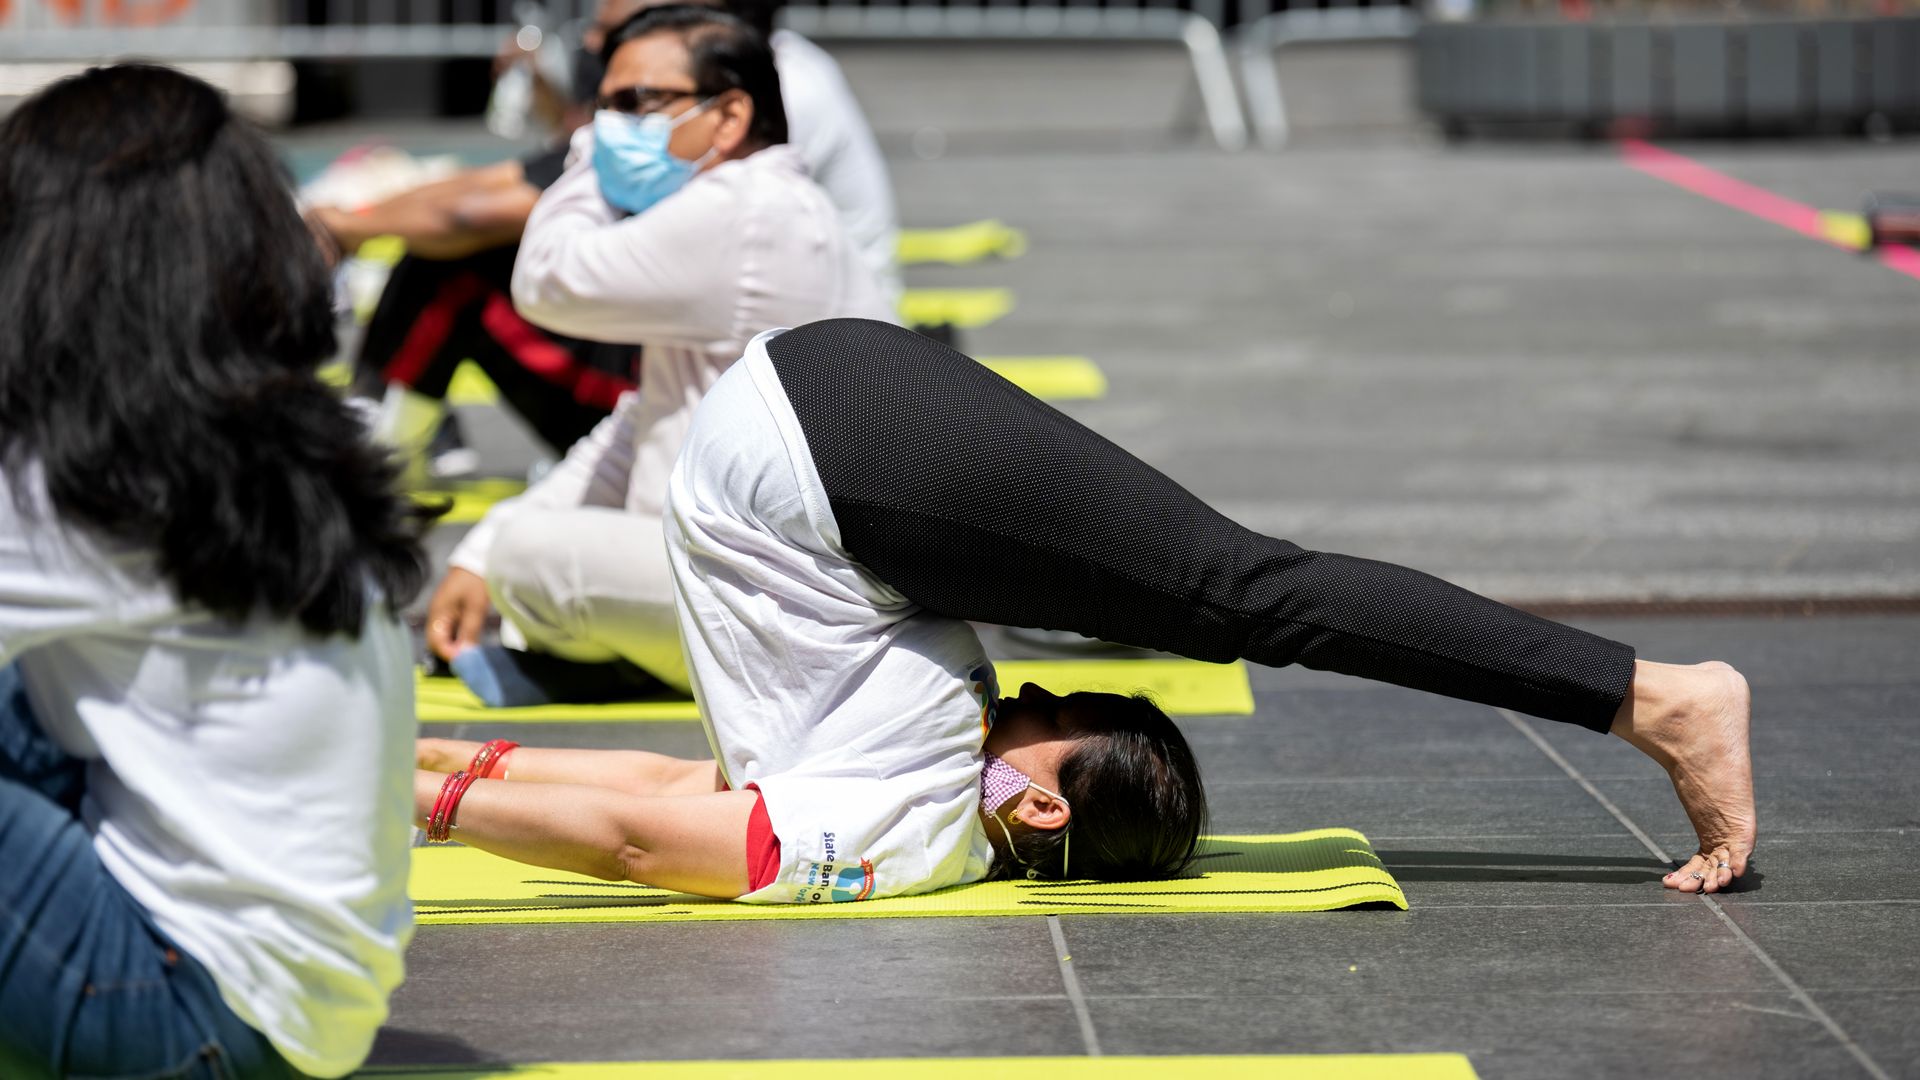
(687, 224)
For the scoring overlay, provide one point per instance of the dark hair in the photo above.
(167, 311)
(724, 53)
(1138, 806)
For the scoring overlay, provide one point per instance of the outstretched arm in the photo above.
(635, 772)
(473, 210)
(688, 843)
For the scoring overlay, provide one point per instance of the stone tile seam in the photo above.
(1800, 995)
(1089, 1038)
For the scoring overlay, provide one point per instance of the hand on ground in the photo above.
(457, 614)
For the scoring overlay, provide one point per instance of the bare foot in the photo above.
(1693, 721)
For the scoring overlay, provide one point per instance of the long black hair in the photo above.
(166, 311)
(724, 53)
(1138, 806)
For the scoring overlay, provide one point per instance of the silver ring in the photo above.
(1723, 866)
(1697, 876)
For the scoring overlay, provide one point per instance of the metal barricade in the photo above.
(1198, 30)
(203, 30)
(1266, 32)
(363, 29)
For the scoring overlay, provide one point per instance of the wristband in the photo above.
(489, 757)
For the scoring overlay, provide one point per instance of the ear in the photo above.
(1039, 810)
(736, 119)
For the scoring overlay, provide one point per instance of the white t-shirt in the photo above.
(250, 785)
(858, 716)
(825, 122)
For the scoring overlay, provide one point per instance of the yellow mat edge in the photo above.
(1228, 691)
(1418, 1066)
(1363, 888)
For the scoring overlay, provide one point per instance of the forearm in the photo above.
(689, 843)
(474, 211)
(636, 772)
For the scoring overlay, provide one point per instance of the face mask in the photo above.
(631, 160)
(1000, 783)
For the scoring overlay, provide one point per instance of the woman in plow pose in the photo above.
(850, 497)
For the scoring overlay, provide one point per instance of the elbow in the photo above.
(629, 862)
(531, 300)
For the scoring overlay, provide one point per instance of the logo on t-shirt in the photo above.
(985, 686)
(834, 880)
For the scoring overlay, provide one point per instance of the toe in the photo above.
(1722, 874)
(1691, 877)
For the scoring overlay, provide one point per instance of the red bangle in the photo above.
(440, 822)
(490, 756)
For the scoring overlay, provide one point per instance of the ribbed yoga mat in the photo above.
(1051, 378)
(968, 309)
(1182, 687)
(958, 245)
(1214, 1067)
(1308, 871)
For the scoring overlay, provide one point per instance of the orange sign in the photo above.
(114, 12)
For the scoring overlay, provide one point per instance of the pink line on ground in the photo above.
(1684, 172)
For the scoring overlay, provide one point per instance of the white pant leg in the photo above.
(589, 584)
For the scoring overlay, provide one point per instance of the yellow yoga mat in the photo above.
(1176, 1067)
(959, 245)
(1182, 687)
(1849, 231)
(1051, 378)
(1308, 871)
(471, 386)
(967, 309)
(471, 498)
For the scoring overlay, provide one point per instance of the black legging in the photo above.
(978, 501)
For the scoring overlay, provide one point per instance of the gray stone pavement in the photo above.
(1538, 940)
(1524, 367)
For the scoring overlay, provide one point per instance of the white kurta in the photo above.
(745, 246)
(825, 121)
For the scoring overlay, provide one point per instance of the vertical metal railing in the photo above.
(1264, 32)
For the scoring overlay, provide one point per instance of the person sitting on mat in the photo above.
(448, 300)
(687, 224)
(853, 495)
(206, 697)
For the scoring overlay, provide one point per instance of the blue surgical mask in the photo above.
(631, 160)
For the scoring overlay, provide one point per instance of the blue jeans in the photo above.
(89, 987)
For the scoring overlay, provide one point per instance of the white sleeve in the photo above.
(52, 585)
(595, 472)
(587, 272)
(825, 121)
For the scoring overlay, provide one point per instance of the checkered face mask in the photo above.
(1001, 783)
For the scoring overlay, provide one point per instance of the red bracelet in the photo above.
(491, 755)
(440, 822)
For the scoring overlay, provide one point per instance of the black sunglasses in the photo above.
(641, 100)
